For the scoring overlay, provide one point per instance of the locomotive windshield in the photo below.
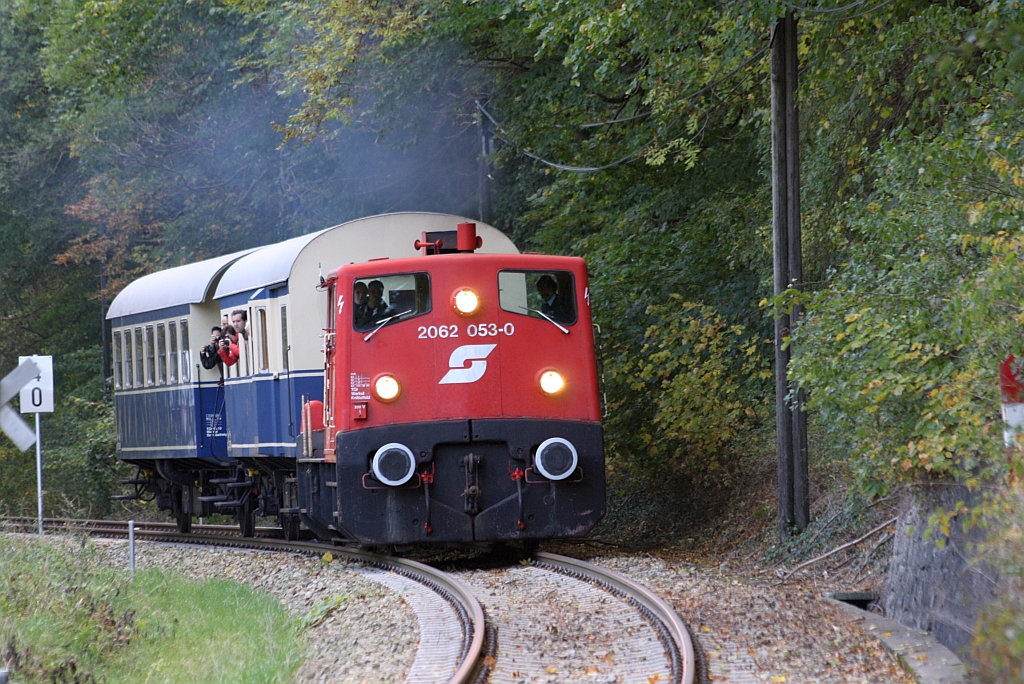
(540, 294)
(380, 298)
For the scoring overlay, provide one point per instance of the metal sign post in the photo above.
(37, 397)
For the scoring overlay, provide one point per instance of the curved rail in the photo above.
(688, 665)
(461, 598)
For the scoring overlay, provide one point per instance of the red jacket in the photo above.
(230, 355)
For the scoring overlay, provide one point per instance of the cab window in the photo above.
(540, 294)
(392, 297)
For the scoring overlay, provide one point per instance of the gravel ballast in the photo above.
(751, 632)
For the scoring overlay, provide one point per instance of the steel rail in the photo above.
(465, 604)
(688, 665)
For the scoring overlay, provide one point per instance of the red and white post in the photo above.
(1011, 389)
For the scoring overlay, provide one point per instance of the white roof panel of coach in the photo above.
(363, 239)
(186, 284)
(267, 266)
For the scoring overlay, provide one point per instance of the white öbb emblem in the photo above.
(477, 354)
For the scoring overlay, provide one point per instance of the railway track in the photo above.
(662, 647)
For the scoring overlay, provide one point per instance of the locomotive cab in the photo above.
(461, 401)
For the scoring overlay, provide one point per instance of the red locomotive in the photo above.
(460, 400)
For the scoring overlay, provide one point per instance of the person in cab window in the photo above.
(209, 355)
(552, 303)
(378, 308)
(228, 348)
(360, 308)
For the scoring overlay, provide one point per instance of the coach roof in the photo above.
(188, 284)
(386, 235)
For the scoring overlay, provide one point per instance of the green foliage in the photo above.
(998, 649)
(65, 616)
(701, 379)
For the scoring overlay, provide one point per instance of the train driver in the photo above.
(553, 304)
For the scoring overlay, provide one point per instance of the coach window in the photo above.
(128, 358)
(284, 337)
(172, 337)
(140, 359)
(186, 355)
(117, 359)
(161, 355)
(391, 298)
(264, 350)
(540, 294)
(150, 357)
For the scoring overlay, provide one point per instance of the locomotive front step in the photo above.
(215, 498)
(222, 480)
(239, 485)
(227, 504)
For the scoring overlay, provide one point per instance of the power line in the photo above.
(852, 16)
(833, 10)
(635, 153)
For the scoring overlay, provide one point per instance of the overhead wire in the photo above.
(832, 10)
(635, 153)
(877, 7)
(638, 151)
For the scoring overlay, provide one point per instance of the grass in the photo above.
(64, 617)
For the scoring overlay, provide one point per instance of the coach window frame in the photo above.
(186, 353)
(161, 353)
(118, 368)
(172, 352)
(559, 274)
(285, 365)
(140, 358)
(129, 371)
(427, 297)
(263, 354)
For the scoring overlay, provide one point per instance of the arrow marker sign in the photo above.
(10, 422)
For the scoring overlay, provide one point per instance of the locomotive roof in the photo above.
(188, 284)
(386, 235)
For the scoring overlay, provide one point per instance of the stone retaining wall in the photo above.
(940, 590)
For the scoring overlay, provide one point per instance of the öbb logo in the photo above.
(476, 354)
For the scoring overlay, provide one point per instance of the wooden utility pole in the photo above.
(787, 266)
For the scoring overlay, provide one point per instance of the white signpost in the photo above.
(10, 422)
(37, 397)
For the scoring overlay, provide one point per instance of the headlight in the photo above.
(556, 458)
(467, 302)
(386, 388)
(551, 382)
(394, 464)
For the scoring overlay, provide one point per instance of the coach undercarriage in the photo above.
(247, 489)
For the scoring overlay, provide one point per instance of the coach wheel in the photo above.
(291, 529)
(247, 518)
(180, 511)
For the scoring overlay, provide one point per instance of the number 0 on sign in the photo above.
(37, 395)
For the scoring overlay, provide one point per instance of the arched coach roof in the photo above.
(390, 235)
(188, 284)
